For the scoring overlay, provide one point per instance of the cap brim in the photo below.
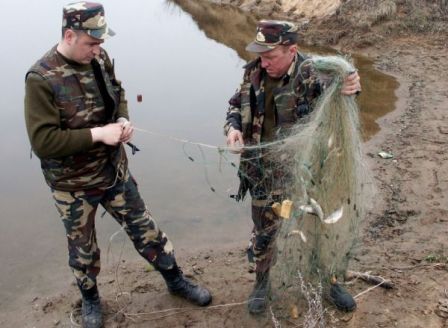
(256, 47)
(102, 33)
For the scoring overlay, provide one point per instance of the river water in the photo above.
(185, 70)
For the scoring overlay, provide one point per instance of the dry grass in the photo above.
(385, 10)
(315, 316)
(355, 23)
(382, 18)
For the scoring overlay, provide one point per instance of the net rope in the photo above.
(325, 182)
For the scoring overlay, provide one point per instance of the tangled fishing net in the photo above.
(326, 188)
(326, 183)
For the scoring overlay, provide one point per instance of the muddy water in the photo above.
(378, 96)
(234, 28)
(185, 68)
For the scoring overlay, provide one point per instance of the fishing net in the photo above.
(324, 182)
(326, 185)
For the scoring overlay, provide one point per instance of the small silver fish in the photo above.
(313, 208)
(330, 142)
(298, 232)
(335, 216)
(317, 209)
(307, 209)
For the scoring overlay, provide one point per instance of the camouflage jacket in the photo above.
(76, 96)
(293, 100)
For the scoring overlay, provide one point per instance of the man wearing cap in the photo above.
(260, 111)
(77, 121)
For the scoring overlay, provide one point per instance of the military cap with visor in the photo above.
(272, 33)
(87, 17)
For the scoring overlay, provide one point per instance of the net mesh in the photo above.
(325, 187)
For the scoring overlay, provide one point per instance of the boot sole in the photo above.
(343, 308)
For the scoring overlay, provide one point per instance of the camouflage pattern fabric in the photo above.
(262, 249)
(259, 174)
(271, 33)
(123, 202)
(77, 97)
(293, 101)
(87, 17)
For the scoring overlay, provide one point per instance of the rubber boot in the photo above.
(178, 285)
(341, 298)
(91, 313)
(258, 299)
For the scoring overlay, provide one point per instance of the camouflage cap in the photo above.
(272, 33)
(87, 17)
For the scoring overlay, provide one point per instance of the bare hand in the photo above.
(351, 84)
(109, 134)
(235, 140)
(128, 131)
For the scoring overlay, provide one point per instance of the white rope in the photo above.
(219, 148)
(72, 318)
(187, 309)
(369, 289)
(183, 140)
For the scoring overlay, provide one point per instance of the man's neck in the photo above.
(63, 50)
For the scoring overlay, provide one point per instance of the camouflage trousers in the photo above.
(123, 202)
(262, 250)
(268, 182)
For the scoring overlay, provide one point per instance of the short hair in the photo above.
(286, 47)
(64, 29)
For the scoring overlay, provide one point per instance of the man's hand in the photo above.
(128, 130)
(109, 134)
(235, 140)
(351, 84)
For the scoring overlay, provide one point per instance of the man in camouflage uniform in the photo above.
(77, 121)
(273, 96)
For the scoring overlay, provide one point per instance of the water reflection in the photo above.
(378, 96)
(185, 68)
(185, 80)
(235, 29)
(224, 23)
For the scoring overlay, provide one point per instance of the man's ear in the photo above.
(69, 36)
(293, 49)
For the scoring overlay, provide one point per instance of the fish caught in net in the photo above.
(325, 182)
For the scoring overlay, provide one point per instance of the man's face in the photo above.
(277, 61)
(83, 48)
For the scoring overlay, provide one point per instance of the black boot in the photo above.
(341, 298)
(92, 316)
(180, 286)
(259, 297)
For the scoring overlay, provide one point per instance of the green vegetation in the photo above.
(438, 257)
